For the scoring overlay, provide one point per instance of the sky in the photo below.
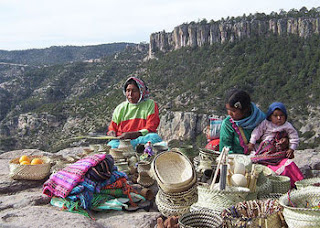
(28, 24)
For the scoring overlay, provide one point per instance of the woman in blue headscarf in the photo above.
(243, 117)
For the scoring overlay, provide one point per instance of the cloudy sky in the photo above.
(26, 24)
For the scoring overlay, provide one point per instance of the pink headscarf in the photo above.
(144, 90)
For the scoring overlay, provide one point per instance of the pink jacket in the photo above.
(266, 130)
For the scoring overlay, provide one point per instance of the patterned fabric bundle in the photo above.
(126, 188)
(101, 171)
(85, 190)
(61, 183)
(271, 152)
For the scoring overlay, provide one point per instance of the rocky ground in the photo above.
(22, 203)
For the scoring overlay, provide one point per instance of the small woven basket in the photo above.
(29, 172)
(253, 213)
(280, 184)
(218, 200)
(295, 212)
(308, 182)
(200, 219)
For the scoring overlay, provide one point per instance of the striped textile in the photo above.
(61, 183)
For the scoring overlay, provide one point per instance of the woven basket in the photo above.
(201, 219)
(280, 184)
(185, 198)
(29, 172)
(300, 216)
(253, 214)
(173, 171)
(264, 186)
(218, 200)
(207, 154)
(307, 182)
(170, 210)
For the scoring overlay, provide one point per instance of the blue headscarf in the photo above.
(274, 106)
(250, 122)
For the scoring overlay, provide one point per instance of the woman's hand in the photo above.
(130, 135)
(290, 154)
(112, 133)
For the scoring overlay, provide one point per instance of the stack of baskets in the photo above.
(29, 172)
(176, 178)
(301, 207)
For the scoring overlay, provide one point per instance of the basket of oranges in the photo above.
(29, 167)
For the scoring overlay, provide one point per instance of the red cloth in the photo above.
(213, 145)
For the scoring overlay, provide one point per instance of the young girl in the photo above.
(279, 140)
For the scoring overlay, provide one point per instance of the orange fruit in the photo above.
(36, 161)
(24, 158)
(24, 163)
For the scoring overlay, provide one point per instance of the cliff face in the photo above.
(193, 35)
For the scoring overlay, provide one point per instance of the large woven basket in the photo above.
(200, 219)
(173, 171)
(218, 200)
(280, 184)
(308, 182)
(185, 198)
(295, 212)
(170, 210)
(29, 172)
(253, 213)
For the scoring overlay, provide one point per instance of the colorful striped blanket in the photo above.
(61, 183)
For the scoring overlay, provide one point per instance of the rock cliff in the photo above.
(193, 35)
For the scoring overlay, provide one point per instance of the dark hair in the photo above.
(129, 82)
(239, 99)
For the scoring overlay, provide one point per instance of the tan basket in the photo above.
(280, 184)
(298, 215)
(218, 200)
(201, 218)
(253, 213)
(184, 198)
(173, 171)
(307, 182)
(29, 172)
(171, 210)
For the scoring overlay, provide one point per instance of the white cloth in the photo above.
(266, 130)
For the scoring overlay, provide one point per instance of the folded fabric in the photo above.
(102, 171)
(61, 183)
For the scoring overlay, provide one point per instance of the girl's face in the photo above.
(236, 114)
(277, 117)
(132, 93)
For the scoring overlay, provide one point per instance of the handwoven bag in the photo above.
(201, 219)
(30, 172)
(295, 212)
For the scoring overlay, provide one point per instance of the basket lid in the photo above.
(173, 167)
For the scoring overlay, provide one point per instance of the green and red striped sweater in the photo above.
(143, 117)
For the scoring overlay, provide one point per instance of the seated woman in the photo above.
(137, 118)
(243, 117)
